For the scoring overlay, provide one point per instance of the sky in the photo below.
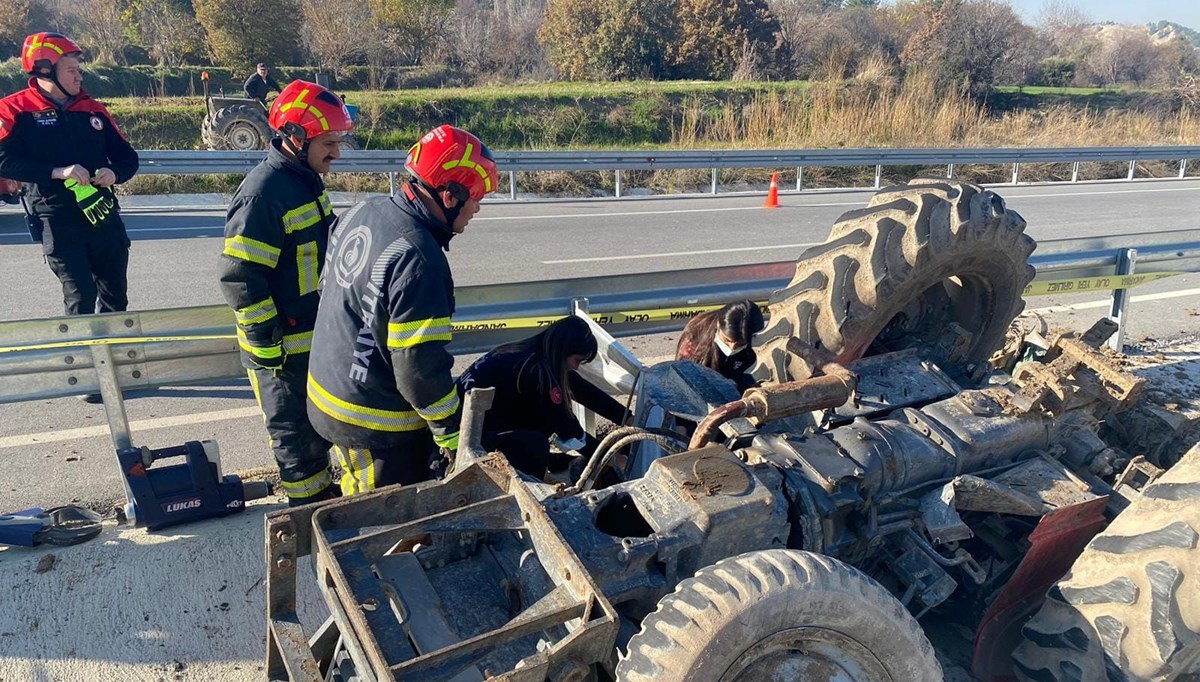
(1185, 12)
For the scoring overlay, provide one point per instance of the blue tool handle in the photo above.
(20, 528)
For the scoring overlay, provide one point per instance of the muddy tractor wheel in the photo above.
(349, 144)
(241, 128)
(934, 263)
(779, 615)
(1129, 609)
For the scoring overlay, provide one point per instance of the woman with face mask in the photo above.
(536, 383)
(720, 340)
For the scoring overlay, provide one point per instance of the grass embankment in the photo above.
(722, 115)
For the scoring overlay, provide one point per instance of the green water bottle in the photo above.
(96, 206)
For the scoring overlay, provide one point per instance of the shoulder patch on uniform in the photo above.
(354, 248)
(97, 123)
(386, 257)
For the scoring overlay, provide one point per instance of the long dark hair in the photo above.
(552, 346)
(741, 320)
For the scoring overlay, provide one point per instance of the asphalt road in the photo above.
(58, 451)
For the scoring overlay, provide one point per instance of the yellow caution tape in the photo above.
(1087, 284)
(625, 317)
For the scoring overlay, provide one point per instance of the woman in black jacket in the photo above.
(720, 340)
(536, 382)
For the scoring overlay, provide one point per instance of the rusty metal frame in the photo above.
(347, 535)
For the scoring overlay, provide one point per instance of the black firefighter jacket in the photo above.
(379, 368)
(276, 235)
(37, 135)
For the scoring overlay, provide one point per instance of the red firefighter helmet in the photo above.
(305, 110)
(451, 155)
(42, 51)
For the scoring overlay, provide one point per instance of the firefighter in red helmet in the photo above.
(379, 385)
(66, 149)
(276, 233)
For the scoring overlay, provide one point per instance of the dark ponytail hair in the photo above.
(740, 321)
(553, 345)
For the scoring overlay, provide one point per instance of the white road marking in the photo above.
(640, 256)
(564, 216)
(1115, 191)
(1102, 304)
(141, 425)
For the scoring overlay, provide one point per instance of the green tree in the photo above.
(616, 40)
(241, 33)
(715, 35)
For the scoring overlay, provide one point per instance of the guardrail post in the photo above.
(618, 176)
(512, 185)
(1119, 313)
(714, 181)
(392, 183)
(579, 306)
(949, 171)
(114, 405)
(878, 176)
(1075, 172)
(799, 178)
(1016, 173)
(1182, 168)
(1132, 168)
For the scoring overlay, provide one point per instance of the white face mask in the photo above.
(726, 349)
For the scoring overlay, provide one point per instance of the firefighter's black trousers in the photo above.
(302, 455)
(91, 263)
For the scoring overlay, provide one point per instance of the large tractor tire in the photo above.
(779, 615)
(1129, 609)
(933, 263)
(240, 128)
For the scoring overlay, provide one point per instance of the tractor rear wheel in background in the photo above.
(779, 615)
(936, 264)
(239, 127)
(1129, 609)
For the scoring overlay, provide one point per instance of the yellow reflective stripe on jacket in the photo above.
(326, 204)
(244, 248)
(304, 215)
(313, 485)
(306, 265)
(359, 415)
(445, 407)
(448, 441)
(266, 352)
(256, 312)
(358, 465)
(297, 343)
(409, 334)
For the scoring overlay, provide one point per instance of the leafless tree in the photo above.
(1062, 25)
(1122, 54)
(335, 31)
(102, 30)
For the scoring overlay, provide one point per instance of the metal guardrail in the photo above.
(64, 356)
(513, 162)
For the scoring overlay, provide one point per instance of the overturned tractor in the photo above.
(883, 471)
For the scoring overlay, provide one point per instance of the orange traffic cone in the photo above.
(773, 193)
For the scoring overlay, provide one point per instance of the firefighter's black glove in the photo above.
(443, 462)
